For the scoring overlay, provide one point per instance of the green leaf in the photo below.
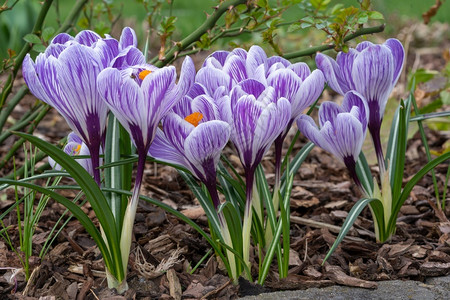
(410, 185)
(32, 38)
(93, 193)
(294, 27)
(39, 48)
(47, 33)
(375, 15)
(113, 178)
(351, 218)
(364, 174)
(75, 210)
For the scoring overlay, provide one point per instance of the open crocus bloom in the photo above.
(295, 82)
(74, 147)
(256, 117)
(342, 129)
(140, 96)
(64, 76)
(193, 143)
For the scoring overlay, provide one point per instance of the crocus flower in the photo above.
(74, 147)
(342, 129)
(372, 70)
(64, 76)
(294, 82)
(193, 138)
(139, 97)
(256, 118)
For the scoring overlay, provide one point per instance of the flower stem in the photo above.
(130, 213)
(95, 159)
(247, 223)
(350, 163)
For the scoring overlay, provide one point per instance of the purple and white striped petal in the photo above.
(332, 73)
(87, 37)
(128, 38)
(309, 91)
(204, 145)
(255, 57)
(301, 69)
(162, 149)
(373, 73)
(398, 54)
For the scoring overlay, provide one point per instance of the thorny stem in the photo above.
(207, 25)
(26, 48)
(313, 50)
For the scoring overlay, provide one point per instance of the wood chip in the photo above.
(174, 284)
(432, 268)
(337, 275)
(194, 213)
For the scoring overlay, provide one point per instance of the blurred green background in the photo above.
(14, 24)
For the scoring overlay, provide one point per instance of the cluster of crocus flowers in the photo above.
(371, 70)
(342, 130)
(65, 77)
(240, 96)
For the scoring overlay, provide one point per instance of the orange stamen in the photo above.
(194, 118)
(76, 150)
(143, 74)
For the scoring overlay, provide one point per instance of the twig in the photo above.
(332, 228)
(26, 48)
(195, 36)
(313, 50)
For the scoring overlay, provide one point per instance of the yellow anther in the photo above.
(194, 118)
(76, 150)
(143, 74)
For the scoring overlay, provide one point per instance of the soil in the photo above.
(323, 194)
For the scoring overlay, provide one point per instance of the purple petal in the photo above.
(277, 59)
(128, 38)
(235, 67)
(107, 50)
(301, 69)
(158, 88)
(373, 73)
(328, 112)
(204, 145)
(354, 99)
(187, 77)
(398, 53)
(196, 89)
(309, 91)
(219, 56)
(163, 150)
(363, 45)
(32, 80)
(286, 83)
(205, 105)
(54, 50)
(176, 130)
(252, 87)
(332, 73)
(309, 129)
(87, 37)
(345, 137)
(345, 63)
(62, 38)
(131, 56)
(212, 79)
(255, 57)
